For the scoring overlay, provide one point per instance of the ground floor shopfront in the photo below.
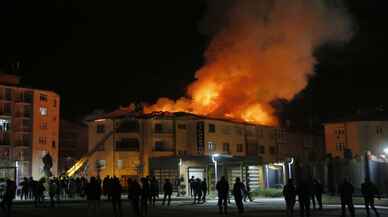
(248, 169)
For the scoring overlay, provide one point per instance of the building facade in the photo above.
(73, 144)
(29, 129)
(351, 139)
(181, 145)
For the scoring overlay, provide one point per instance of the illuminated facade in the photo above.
(355, 138)
(181, 145)
(29, 125)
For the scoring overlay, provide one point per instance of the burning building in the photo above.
(29, 129)
(180, 145)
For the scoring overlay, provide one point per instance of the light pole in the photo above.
(215, 166)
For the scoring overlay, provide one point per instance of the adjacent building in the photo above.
(29, 129)
(350, 139)
(181, 145)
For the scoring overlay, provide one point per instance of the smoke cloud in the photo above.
(261, 50)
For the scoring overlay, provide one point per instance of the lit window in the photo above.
(100, 164)
(43, 111)
(120, 164)
(211, 146)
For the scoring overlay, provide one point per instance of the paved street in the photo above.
(260, 207)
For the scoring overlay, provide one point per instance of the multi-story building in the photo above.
(73, 143)
(354, 138)
(29, 129)
(182, 145)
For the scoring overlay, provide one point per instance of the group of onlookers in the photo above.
(310, 191)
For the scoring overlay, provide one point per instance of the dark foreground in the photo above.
(178, 208)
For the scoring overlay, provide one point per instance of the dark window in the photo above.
(53, 144)
(28, 97)
(212, 128)
(128, 126)
(100, 128)
(8, 94)
(55, 103)
(43, 125)
(7, 108)
(239, 148)
(272, 150)
(225, 148)
(182, 126)
(261, 149)
(43, 97)
(379, 131)
(161, 146)
(158, 128)
(127, 144)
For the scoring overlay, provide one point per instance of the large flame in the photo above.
(262, 52)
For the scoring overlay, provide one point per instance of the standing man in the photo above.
(116, 190)
(154, 190)
(238, 191)
(9, 195)
(304, 195)
(317, 193)
(192, 183)
(222, 188)
(197, 191)
(167, 189)
(289, 193)
(204, 190)
(144, 195)
(369, 192)
(134, 191)
(346, 190)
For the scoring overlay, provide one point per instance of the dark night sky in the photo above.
(102, 54)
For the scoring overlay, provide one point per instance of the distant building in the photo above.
(349, 139)
(180, 145)
(73, 143)
(29, 129)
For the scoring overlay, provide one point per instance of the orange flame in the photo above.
(263, 53)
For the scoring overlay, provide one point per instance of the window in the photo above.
(120, 164)
(339, 146)
(238, 130)
(158, 128)
(127, 144)
(43, 111)
(7, 108)
(100, 128)
(212, 128)
(100, 164)
(239, 148)
(261, 149)
(379, 131)
(225, 148)
(42, 140)
(53, 144)
(43, 97)
(272, 150)
(211, 147)
(8, 94)
(162, 146)
(55, 103)
(182, 126)
(127, 126)
(43, 125)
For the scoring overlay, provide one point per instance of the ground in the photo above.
(181, 207)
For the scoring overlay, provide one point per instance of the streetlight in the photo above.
(215, 166)
(386, 151)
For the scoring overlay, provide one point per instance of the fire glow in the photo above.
(263, 51)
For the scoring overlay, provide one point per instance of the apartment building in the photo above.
(181, 145)
(350, 139)
(29, 128)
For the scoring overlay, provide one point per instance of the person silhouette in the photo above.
(167, 189)
(238, 192)
(222, 188)
(346, 190)
(369, 192)
(289, 193)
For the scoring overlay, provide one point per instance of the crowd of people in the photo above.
(308, 191)
(145, 193)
